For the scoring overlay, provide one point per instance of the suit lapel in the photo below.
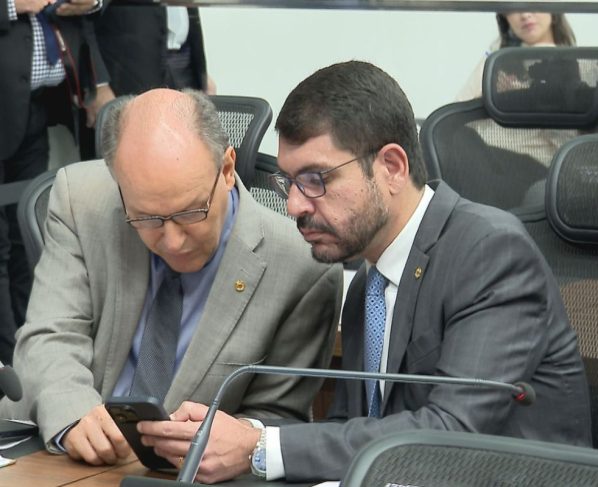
(428, 233)
(238, 276)
(403, 313)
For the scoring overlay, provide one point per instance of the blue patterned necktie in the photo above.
(375, 320)
(50, 41)
(157, 354)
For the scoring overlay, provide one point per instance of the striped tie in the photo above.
(157, 354)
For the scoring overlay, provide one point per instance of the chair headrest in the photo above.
(572, 190)
(542, 86)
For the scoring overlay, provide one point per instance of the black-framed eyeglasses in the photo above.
(180, 218)
(311, 183)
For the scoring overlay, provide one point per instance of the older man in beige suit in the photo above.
(251, 291)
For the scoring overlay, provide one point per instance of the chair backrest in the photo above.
(492, 150)
(261, 189)
(564, 225)
(244, 118)
(32, 212)
(457, 459)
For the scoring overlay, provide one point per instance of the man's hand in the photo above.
(211, 88)
(227, 455)
(31, 6)
(76, 7)
(103, 95)
(96, 439)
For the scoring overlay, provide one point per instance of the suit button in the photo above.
(24, 79)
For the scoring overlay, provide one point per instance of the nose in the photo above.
(298, 204)
(173, 237)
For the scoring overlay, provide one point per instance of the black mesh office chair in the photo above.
(244, 118)
(492, 150)
(262, 190)
(564, 224)
(455, 459)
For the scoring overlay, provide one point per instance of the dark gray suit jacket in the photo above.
(484, 305)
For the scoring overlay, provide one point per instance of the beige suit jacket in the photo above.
(89, 290)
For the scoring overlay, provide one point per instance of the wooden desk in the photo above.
(42, 469)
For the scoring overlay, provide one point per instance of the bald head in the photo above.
(161, 113)
(163, 116)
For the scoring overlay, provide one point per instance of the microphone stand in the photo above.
(521, 392)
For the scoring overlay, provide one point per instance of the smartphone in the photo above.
(126, 413)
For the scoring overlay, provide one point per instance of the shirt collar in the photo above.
(399, 248)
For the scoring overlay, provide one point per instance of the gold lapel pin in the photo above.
(418, 272)
(239, 285)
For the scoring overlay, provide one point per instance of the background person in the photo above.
(38, 88)
(521, 29)
(146, 47)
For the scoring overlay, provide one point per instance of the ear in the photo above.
(228, 167)
(395, 165)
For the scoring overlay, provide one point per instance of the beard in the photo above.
(362, 225)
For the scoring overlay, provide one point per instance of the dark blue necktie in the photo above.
(50, 41)
(375, 321)
(157, 354)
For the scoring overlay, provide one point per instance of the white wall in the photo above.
(266, 52)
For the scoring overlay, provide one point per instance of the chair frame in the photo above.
(32, 234)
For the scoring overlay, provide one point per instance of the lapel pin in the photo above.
(418, 272)
(239, 285)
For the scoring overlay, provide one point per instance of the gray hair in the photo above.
(202, 119)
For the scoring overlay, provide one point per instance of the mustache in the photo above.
(307, 222)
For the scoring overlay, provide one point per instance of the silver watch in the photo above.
(258, 457)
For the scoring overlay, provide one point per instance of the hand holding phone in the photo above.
(50, 9)
(126, 413)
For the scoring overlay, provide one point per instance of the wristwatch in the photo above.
(258, 457)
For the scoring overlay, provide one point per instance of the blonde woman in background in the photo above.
(521, 29)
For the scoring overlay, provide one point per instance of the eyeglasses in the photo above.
(311, 183)
(180, 218)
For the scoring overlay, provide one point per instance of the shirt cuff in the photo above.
(256, 423)
(12, 10)
(55, 444)
(274, 463)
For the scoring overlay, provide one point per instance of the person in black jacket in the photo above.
(146, 47)
(50, 64)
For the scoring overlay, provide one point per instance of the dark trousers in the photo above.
(30, 159)
(179, 70)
